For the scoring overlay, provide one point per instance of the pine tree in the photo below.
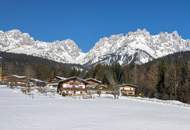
(161, 80)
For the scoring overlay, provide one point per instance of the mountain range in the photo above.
(139, 46)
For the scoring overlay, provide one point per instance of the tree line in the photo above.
(164, 78)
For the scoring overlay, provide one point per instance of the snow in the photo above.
(62, 78)
(67, 51)
(53, 112)
(154, 45)
(14, 41)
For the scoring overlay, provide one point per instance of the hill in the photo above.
(36, 67)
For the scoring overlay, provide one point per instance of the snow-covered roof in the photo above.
(74, 78)
(61, 78)
(93, 79)
(36, 80)
(18, 76)
(131, 85)
(52, 84)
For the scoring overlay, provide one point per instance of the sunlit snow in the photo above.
(53, 112)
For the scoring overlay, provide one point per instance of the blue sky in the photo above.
(85, 21)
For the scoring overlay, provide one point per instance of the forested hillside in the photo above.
(164, 78)
(36, 67)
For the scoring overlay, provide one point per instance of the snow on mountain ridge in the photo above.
(139, 45)
(129, 44)
(15, 41)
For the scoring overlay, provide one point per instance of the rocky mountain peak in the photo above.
(123, 48)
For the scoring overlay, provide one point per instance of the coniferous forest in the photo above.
(166, 78)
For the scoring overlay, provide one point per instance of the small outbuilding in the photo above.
(37, 83)
(56, 79)
(127, 89)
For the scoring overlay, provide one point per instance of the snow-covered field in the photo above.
(40, 112)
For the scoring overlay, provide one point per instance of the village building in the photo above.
(127, 90)
(53, 83)
(23, 81)
(1, 69)
(16, 80)
(93, 85)
(2, 76)
(56, 79)
(36, 83)
(72, 86)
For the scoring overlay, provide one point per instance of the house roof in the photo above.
(73, 78)
(61, 78)
(131, 85)
(18, 76)
(93, 79)
(52, 84)
(37, 80)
